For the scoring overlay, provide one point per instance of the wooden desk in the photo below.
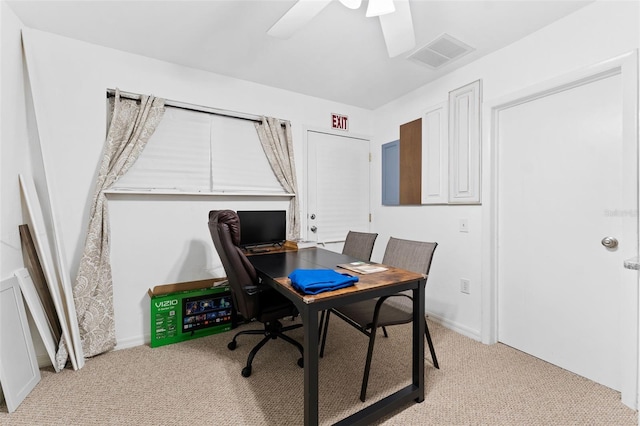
(274, 269)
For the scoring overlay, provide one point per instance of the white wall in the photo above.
(14, 146)
(18, 145)
(155, 239)
(595, 33)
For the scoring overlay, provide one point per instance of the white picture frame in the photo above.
(43, 248)
(34, 304)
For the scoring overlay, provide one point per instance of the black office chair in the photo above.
(251, 299)
(359, 245)
(367, 316)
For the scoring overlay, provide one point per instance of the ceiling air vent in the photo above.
(441, 51)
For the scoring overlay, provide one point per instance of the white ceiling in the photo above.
(340, 55)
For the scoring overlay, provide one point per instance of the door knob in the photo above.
(314, 228)
(313, 215)
(609, 242)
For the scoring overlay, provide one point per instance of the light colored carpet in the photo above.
(199, 382)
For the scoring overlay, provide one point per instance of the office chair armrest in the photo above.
(251, 289)
(376, 311)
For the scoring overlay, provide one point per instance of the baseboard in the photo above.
(132, 342)
(43, 360)
(458, 328)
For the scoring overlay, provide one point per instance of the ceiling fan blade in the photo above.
(297, 17)
(351, 4)
(397, 29)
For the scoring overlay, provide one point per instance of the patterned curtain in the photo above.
(132, 124)
(277, 144)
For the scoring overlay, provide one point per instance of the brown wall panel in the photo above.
(411, 162)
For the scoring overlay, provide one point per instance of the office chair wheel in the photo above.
(301, 362)
(246, 372)
(232, 345)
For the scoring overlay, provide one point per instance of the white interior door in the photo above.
(337, 187)
(561, 191)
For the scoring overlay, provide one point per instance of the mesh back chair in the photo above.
(368, 315)
(359, 245)
(250, 299)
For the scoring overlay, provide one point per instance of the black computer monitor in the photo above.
(262, 227)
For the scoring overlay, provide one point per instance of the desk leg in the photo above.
(311, 335)
(418, 339)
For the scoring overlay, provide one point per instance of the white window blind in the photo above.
(193, 151)
(176, 157)
(238, 162)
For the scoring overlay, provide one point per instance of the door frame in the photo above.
(304, 202)
(627, 66)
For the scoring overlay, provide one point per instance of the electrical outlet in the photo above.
(464, 225)
(465, 285)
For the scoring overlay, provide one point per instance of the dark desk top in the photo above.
(281, 264)
(278, 266)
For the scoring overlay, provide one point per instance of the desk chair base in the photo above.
(272, 330)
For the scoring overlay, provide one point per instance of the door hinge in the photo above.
(370, 157)
(369, 217)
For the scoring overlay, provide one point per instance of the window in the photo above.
(193, 151)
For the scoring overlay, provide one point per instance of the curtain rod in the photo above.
(193, 107)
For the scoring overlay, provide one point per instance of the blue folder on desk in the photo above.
(314, 281)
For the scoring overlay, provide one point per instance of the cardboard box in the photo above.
(189, 310)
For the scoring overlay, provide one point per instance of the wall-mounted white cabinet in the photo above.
(437, 159)
(435, 155)
(464, 144)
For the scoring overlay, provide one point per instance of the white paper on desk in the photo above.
(363, 267)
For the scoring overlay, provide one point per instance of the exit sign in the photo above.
(340, 122)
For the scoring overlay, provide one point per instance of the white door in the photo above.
(560, 192)
(337, 187)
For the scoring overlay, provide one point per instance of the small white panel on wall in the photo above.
(435, 155)
(464, 144)
(19, 372)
